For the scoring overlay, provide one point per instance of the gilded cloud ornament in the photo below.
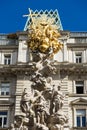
(43, 34)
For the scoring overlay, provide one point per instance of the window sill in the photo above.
(4, 128)
(79, 128)
(7, 96)
(77, 95)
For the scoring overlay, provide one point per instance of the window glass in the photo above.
(3, 119)
(83, 121)
(79, 87)
(78, 57)
(81, 118)
(7, 59)
(78, 121)
(5, 88)
(0, 121)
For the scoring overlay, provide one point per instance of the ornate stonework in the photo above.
(42, 107)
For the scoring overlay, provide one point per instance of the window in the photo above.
(79, 87)
(5, 87)
(7, 59)
(78, 57)
(81, 118)
(3, 119)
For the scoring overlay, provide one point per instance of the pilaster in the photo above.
(64, 89)
(22, 48)
(65, 54)
(19, 90)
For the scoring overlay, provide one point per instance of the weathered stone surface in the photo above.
(42, 107)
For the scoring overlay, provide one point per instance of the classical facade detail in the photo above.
(40, 88)
(42, 106)
(20, 74)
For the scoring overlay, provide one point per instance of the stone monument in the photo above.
(43, 108)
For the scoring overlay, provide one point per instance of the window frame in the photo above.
(78, 86)
(78, 107)
(6, 89)
(3, 117)
(78, 58)
(81, 124)
(7, 60)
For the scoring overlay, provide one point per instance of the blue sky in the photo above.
(73, 13)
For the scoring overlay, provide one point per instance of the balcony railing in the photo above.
(78, 34)
(8, 42)
(80, 40)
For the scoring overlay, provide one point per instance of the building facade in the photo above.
(15, 67)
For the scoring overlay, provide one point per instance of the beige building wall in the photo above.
(68, 72)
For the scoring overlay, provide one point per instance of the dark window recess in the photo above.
(79, 90)
(79, 87)
(78, 57)
(7, 59)
(0, 121)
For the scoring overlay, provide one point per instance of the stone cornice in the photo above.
(78, 34)
(8, 47)
(77, 95)
(70, 66)
(29, 68)
(80, 45)
(16, 69)
(6, 103)
(22, 35)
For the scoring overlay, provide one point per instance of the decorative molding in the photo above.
(79, 101)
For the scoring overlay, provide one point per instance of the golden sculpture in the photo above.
(41, 101)
(43, 34)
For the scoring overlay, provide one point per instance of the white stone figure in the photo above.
(43, 108)
(57, 100)
(25, 101)
(12, 127)
(39, 104)
(40, 82)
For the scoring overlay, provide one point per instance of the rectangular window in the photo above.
(3, 119)
(81, 118)
(7, 59)
(5, 88)
(78, 57)
(79, 87)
